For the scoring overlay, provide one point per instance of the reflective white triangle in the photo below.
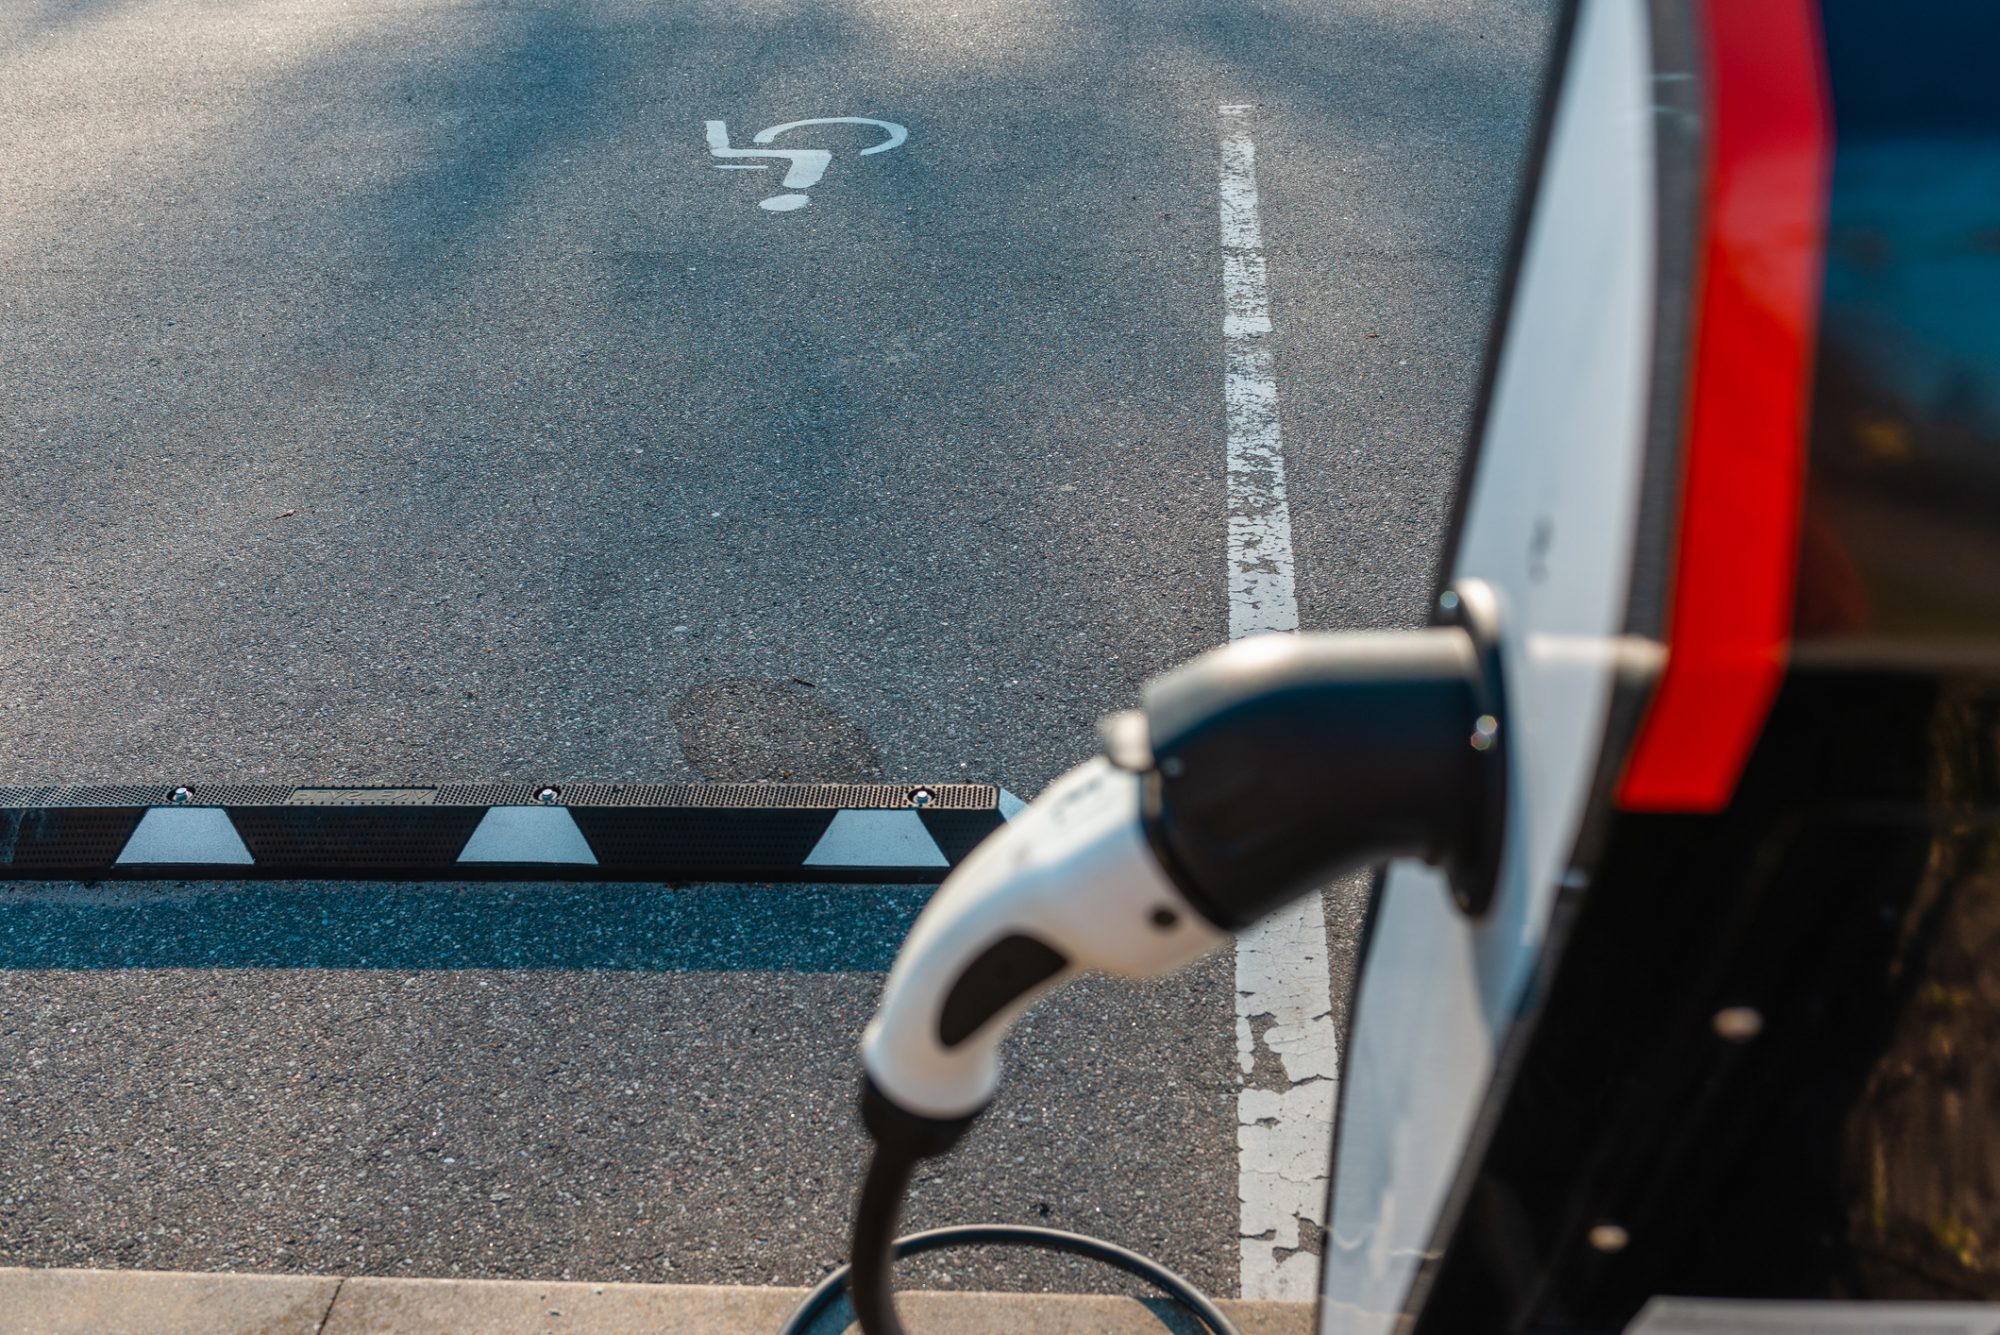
(877, 839)
(186, 834)
(528, 834)
(1010, 805)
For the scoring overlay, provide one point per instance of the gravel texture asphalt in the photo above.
(398, 392)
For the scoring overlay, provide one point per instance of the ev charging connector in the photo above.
(1250, 776)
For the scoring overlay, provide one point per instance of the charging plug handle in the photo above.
(1280, 762)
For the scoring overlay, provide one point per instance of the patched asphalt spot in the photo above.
(773, 728)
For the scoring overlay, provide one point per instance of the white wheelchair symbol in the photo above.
(807, 164)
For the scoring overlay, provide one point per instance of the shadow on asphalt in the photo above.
(639, 928)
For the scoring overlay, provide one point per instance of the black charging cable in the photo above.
(876, 1249)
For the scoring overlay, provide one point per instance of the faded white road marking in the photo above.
(1245, 311)
(807, 165)
(1284, 999)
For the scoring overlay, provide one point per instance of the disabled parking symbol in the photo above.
(805, 165)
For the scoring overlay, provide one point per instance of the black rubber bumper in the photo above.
(805, 833)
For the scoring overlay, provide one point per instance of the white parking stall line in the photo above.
(1284, 995)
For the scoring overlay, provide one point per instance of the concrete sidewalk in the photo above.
(151, 1302)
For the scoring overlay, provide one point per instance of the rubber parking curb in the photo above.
(820, 833)
(155, 1302)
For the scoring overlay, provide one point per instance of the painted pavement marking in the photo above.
(805, 166)
(1284, 995)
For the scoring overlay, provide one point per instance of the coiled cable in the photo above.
(882, 1191)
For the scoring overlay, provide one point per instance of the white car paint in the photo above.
(1550, 526)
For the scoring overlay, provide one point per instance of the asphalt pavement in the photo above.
(402, 392)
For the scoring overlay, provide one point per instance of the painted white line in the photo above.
(877, 839)
(198, 835)
(528, 834)
(1241, 229)
(1284, 996)
(1246, 312)
(1261, 592)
